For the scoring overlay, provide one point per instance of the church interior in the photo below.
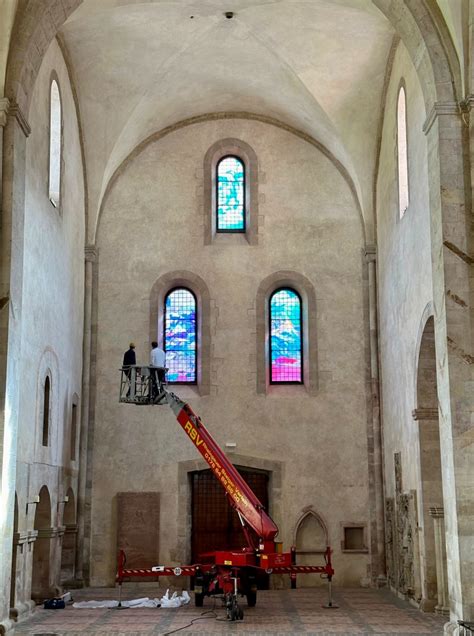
(279, 193)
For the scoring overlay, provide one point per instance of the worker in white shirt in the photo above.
(157, 359)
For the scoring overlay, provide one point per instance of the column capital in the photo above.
(370, 253)
(15, 111)
(437, 512)
(440, 109)
(90, 252)
(425, 414)
(4, 106)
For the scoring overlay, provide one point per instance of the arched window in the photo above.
(230, 195)
(46, 410)
(54, 144)
(402, 150)
(286, 341)
(180, 342)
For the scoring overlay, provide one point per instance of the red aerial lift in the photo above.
(226, 572)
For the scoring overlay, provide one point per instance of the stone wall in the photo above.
(153, 223)
(405, 303)
(52, 328)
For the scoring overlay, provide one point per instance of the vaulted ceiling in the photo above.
(316, 65)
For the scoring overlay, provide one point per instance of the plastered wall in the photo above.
(152, 223)
(404, 282)
(404, 271)
(52, 321)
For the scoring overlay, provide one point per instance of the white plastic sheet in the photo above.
(165, 601)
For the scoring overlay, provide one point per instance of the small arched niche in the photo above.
(311, 539)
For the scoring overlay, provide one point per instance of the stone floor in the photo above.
(361, 611)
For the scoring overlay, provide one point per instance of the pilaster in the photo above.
(446, 129)
(15, 129)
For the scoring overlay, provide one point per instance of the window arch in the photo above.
(286, 337)
(230, 195)
(180, 335)
(402, 152)
(238, 217)
(55, 143)
(46, 410)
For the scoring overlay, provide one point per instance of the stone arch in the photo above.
(306, 290)
(184, 278)
(426, 414)
(116, 171)
(247, 154)
(311, 538)
(40, 584)
(68, 548)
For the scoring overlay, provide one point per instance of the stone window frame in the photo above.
(307, 292)
(162, 286)
(74, 435)
(244, 152)
(48, 367)
(402, 86)
(348, 525)
(57, 205)
(300, 300)
(197, 312)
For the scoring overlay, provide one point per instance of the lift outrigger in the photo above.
(229, 573)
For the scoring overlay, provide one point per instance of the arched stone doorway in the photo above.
(426, 414)
(68, 550)
(40, 585)
(311, 539)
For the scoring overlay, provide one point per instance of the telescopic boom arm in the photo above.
(239, 493)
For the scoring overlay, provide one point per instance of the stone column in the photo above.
(437, 514)
(83, 502)
(432, 495)
(15, 130)
(450, 215)
(28, 568)
(374, 431)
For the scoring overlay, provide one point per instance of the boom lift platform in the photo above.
(228, 573)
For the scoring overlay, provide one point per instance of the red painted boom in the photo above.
(240, 494)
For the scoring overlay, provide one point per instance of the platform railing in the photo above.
(142, 385)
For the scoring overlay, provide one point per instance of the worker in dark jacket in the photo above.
(129, 357)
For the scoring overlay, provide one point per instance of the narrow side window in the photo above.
(180, 336)
(46, 410)
(286, 340)
(54, 144)
(230, 196)
(402, 151)
(73, 432)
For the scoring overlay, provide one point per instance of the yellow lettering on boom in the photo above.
(193, 434)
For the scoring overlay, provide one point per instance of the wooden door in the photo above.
(215, 525)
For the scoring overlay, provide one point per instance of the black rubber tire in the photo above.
(251, 599)
(198, 600)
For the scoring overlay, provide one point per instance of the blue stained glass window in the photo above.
(230, 195)
(285, 337)
(180, 336)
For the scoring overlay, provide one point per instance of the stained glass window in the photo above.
(230, 195)
(285, 337)
(180, 336)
